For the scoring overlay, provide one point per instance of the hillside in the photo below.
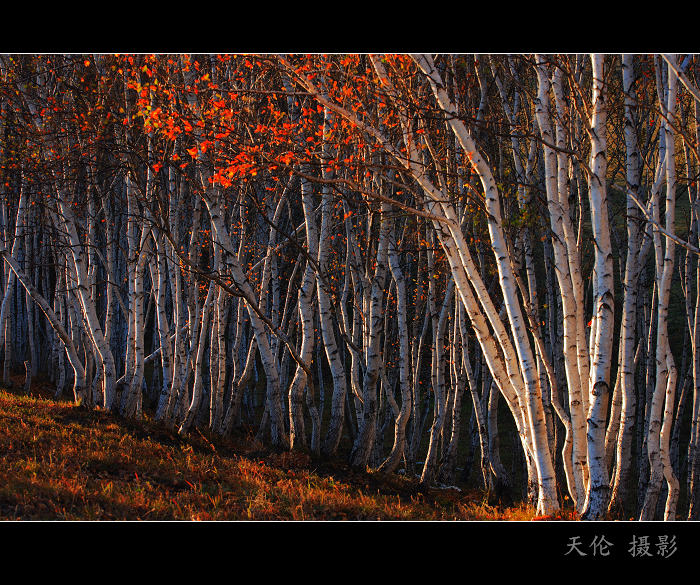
(59, 461)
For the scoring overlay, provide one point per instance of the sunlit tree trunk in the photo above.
(364, 441)
(401, 420)
(603, 304)
(547, 498)
(92, 322)
(555, 181)
(662, 404)
(438, 386)
(330, 343)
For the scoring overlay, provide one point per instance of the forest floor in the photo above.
(60, 461)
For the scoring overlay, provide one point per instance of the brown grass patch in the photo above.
(59, 461)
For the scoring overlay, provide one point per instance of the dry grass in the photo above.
(59, 461)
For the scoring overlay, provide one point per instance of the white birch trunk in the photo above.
(603, 304)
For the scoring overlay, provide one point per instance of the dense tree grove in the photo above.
(452, 266)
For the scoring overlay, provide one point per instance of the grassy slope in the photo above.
(63, 462)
